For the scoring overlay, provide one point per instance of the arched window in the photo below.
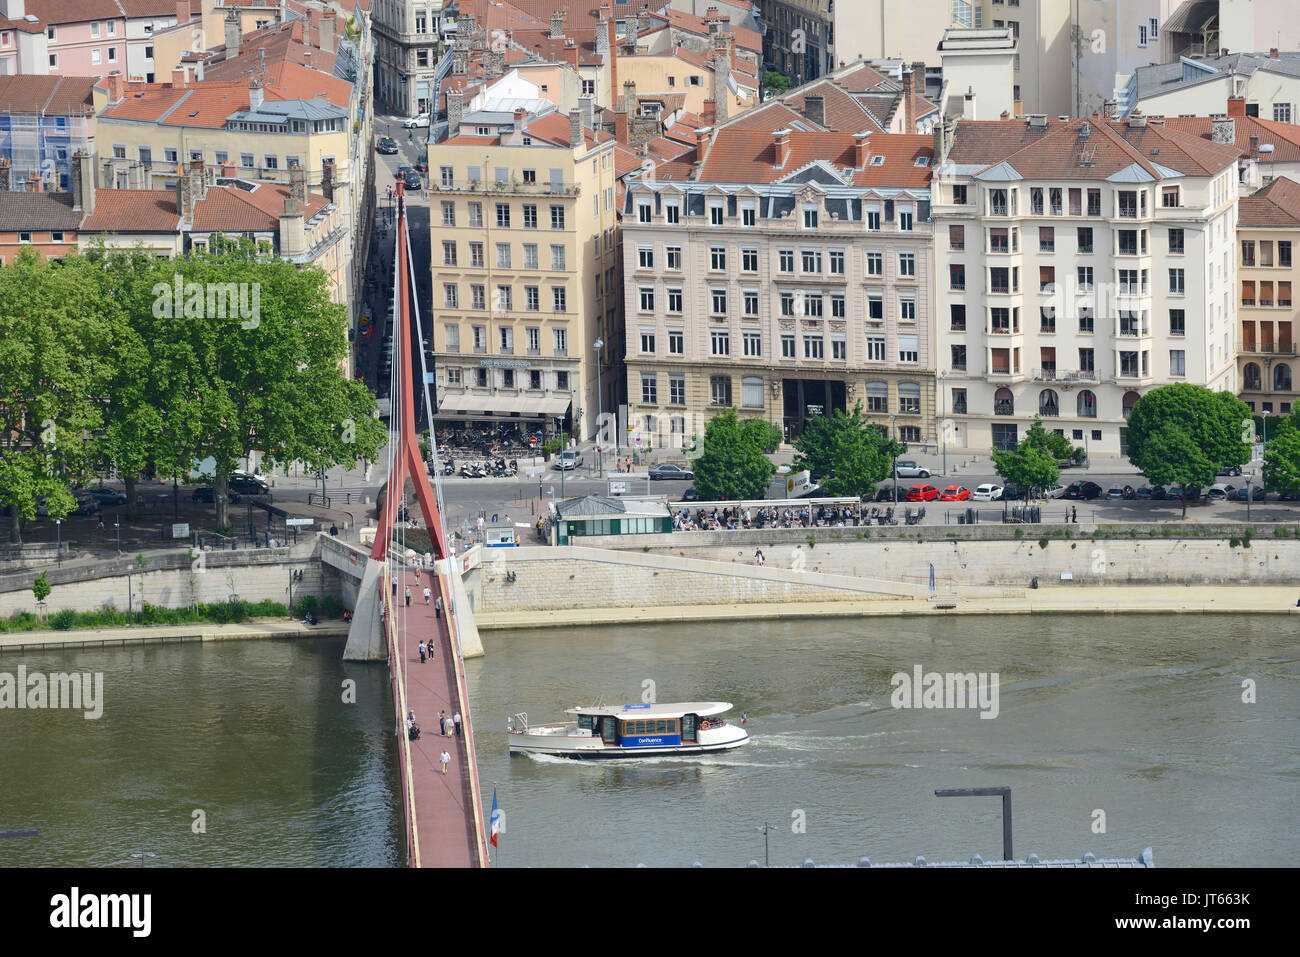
(1087, 404)
(909, 397)
(1282, 377)
(1047, 403)
(877, 397)
(1254, 381)
(1130, 400)
(1004, 402)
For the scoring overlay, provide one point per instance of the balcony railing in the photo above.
(1094, 210)
(1270, 349)
(1055, 375)
(1050, 411)
(959, 408)
(1004, 408)
(532, 189)
(997, 331)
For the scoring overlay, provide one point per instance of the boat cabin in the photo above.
(651, 726)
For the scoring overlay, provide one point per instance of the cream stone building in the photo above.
(788, 277)
(1079, 264)
(1268, 236)
(525, 270)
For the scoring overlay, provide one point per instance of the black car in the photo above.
(690, 495)
(387, 146)
(206, 495)
(412, 179)
(1158, 493)
(886, 494)
(670, 471)
(1252, 493)
(249, 485)
(1143, 493)
(1083, 491)
(1230, 470)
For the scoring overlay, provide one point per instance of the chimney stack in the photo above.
(557, 25)
(455, 111)
(702, 141)
(909, 100)
(298, 183)
(814, 108)
(968, 105)
(722, 84)
(587, 104)
(198, 180)
(327, 179)
(179, 75)
(1223, 129)
(234, 33)
(781, 142)
(861, 150)
(6, 174)
(255, 96)
(576, 138)
(602, 31)
(1236, 106)
(629, 97)
(182, 11)
(35, 184)
(115, 91)
(328, 40)
(293, 235)
(710, 112)
(83, 183)
(1273, 53)
(643, 19)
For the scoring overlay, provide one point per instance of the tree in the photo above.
(57, 337)
(774, 82)
(732, 465)
(768, 436)
(1282, 463)
(1027, 466)
(41, 588)
(1185, 433)
(269, 378)
(846, 453)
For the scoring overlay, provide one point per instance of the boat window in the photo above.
(584, 722)
(661, 726)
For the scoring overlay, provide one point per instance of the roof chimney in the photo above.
(1236, 106)
(255, 96)
(643, 18)
(576, 139)
(293, 235)
(861, 149)
(814, 108)
(968, 104)
(557, 24)
(34, 183)
(629, 96)
(327, 36)
(234, 33)
(83, 183)
(702, 140)
(115, 91)
(455, 111)
(6, 174)
(1006, 115)
(1254, 143)
(588, 106)
(182, 11)
(710, 112)
(909, 100)
(781, 142)
(722, 84)
(602, 32)
(197, 177)
(298, 183)
(179, 75)
(327, 178)
(1223, 129)
(1272, 53)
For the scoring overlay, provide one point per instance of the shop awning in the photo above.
(452, 404)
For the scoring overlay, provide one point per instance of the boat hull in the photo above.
(595, 749)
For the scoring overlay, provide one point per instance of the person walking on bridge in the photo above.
(421, 651)
(445, 758)
(408, 598)
(442, 722)
(437, 606)
(427, 594)
(456, 719)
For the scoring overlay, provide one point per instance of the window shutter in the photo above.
(889, 211)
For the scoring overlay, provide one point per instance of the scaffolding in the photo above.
(42, 143)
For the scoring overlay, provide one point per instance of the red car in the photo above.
(922, 493)
(955, 493)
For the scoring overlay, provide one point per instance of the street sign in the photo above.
(617, 488)
(300, 521)
(181, 531)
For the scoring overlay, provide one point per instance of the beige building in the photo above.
(1267, 236)
(525, 269)
(788, 277)
(1079, 264)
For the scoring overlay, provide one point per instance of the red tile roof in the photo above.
(554, 128)
(24, 211)
(31, 93)
(1276, 206)
(1285, 137)
(133, 211)
(744, 156)
(746, 39)
(229, 209)
(75, 11)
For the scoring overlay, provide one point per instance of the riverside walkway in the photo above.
(444, 815)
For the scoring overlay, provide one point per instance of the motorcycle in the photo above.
(449, 468)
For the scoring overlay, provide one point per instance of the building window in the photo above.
(909, 348)
(753, 344)
(530, 216)
(715, 214)
(476, 214)
(838, 310)
(503, 215)
(1177, 286)
(645, 257)
(907, 264)
(448, 213)
(812, 346)
(560, 339)
(676, 342)
(718, 299)
(533, 336)
(559, 299)
(649, 388)
(786, 260)
(812, 305)
(1169, 197)
(957, 276)
(958, 318)
(787, 345)
(674, 257)
(721, 342)
(532, 298)
(873, 218)
(1176, 241)
(1281, 112)
(1177, 362)
(906, 309)
(909, 397)
(812, 261)
(562, 381)
(718, 258)
(839, 346)
(877, 397)
(720, 390)
(557, 217)
(453, 377)
(672, 214)
(557, 258)
(675, 299)
(751, 392)
(676, 389)
(959, 358)
(647, 296)
(747, 215)
(450, 295)
(905, 219)
(477, 296)
(810, 217)
(530, 255)
(448, 253)
(750, 300)
(956, 237)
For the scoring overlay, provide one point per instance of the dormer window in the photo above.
(715, 214)
(878, 160)
(810, 217)
(921, 161)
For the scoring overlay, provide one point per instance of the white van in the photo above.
(569, 459)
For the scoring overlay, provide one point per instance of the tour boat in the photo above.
(631, 731)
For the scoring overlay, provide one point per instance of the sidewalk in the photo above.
(147, 634)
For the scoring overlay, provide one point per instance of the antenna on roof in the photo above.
(1088, 156)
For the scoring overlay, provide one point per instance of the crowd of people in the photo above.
(743, 517)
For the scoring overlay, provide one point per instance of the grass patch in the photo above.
(1020, 533)
(1042, 542)
(812, 541)
(222, 613)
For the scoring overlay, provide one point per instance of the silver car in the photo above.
(910, 470)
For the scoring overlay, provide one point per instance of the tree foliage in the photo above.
(1282, 463)
(732, 464)
(1032, 463)
(774, 82)
(846, 453)
(41, 588)
(1185, 433)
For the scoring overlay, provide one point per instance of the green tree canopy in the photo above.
(1032, 463)
(776, 82)
(846, 453)
(732, 464)
(1185, 433)
(1282, 463)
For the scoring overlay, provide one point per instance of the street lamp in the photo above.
(58, 524)
(943, 420)
(893, 467)
(1249, 496)
(599, 344)
(117, 524)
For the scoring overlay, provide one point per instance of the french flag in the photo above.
(495, 819)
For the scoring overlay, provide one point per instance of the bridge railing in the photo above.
(396, 674)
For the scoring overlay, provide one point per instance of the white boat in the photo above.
(631, 731)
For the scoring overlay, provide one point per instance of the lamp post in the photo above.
(1249, 496)
(599, 344)
(893, 466)
(117, 524)
(58, 524)
(943, 421)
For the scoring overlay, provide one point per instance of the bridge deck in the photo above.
(444, 825)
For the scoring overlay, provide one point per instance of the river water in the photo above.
(1139, 717)
(254, 734)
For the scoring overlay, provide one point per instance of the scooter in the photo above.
(449, 468)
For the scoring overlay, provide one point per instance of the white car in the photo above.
(987, 493)
(416, 122)
(1055, 491)
(568, 460)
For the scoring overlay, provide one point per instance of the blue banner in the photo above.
(652, 741)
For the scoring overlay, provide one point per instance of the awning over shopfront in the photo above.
(457, 405)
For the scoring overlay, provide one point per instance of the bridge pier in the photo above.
(366, 635)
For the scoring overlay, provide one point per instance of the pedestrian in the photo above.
(445, 758)
(334, 531)
(758, 557)
(442, 723)
(408, 598)
(456, 720)
(394, 586)
(437, 607)
(744, 718)
(421, 652)
(427, 594)
(1074, 514)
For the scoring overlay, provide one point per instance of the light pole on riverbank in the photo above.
(893, 467)
(599, 344)
(765, 828)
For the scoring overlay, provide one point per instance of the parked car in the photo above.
(107, 496)
(569, 459)
(1250, 493)
(1116, 492)
(1012, 492)
(986, 493)
(1053, 491)
(1158, 493)
(86, 505)
(417, 122)
(206, 495)
(1230, 470)
(670, 471)
(1219, 491)
(922, 493)
(886, 494)
(910, 470)
(1083, 491)
(1289, 497)
(955, 493)
(387, 146)
(690, 495)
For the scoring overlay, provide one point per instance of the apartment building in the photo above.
(800, 38)
(44, 121)
(1079, 264)
(1268, 234)
(788, 277)
(408, 46)
(524, 269)
(1268, 83)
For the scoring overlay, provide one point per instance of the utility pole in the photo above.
(765, 829)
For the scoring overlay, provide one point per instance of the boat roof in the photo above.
(670, 710)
